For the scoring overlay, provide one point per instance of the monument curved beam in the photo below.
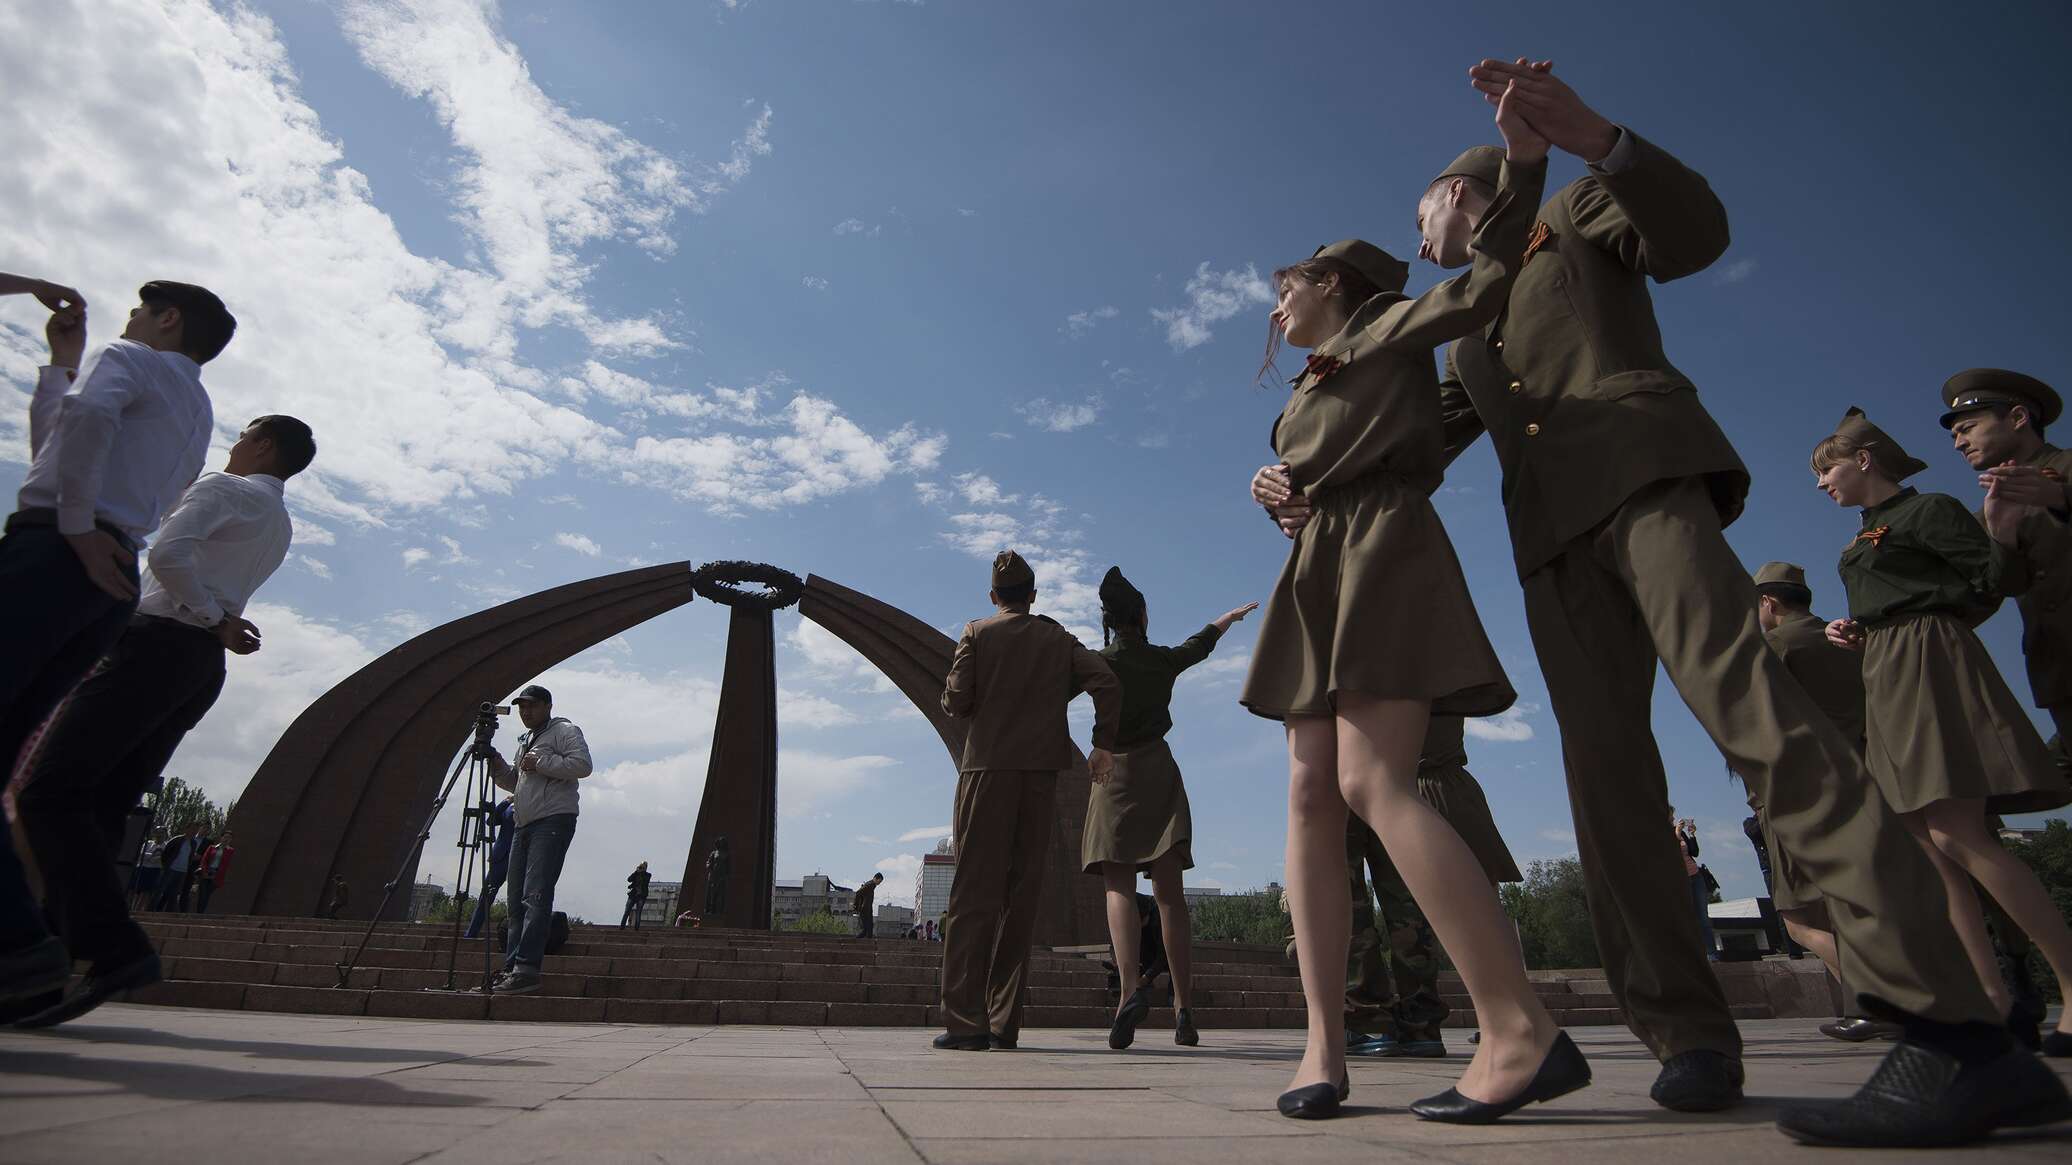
(349, 783)
(916, 658)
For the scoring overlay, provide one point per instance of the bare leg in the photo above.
(1816, 939)
(1966, 916)
(1319, 902)
(1175, 927)
(1378, 742)
(1122, 926)
(1958, 829)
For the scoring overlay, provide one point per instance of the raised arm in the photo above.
(1459, 423)
(1471, 300)
(960, 689)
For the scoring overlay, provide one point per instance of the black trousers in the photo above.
(100, 754)
(866, 924)
(54, 623)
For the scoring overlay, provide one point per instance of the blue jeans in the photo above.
(1700, 897)
(489, 893)
(536, 856)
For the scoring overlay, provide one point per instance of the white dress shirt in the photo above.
(120, 442)
(225, 538)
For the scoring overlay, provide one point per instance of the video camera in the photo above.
(486, 726)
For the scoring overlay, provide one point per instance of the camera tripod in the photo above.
(477, 830)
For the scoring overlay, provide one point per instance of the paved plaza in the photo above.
(130, 1081)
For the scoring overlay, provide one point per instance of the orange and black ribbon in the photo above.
(1541, 232)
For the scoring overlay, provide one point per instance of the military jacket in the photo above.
(1147, 672)
(1571, 382)
(1366, 403)
(1832, 675)
(2042, 559)
(1012, 677)
(1919, 554)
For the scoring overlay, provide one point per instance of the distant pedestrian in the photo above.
(1699, 877)
(636, 896)
(864, 904)
(215, 866)
(181, 853)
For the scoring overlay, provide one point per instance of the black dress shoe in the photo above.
(1562, 1072)
(1123, 1032)
(952, 1042)
(1700, 1080)
(97, 988)
(1183, 1029)
(1002, 1043)
(1857, 1029)
(1314, 1102)
(2025, 1023)
(2057, 1045)
(1922, 1098)
(35, 969)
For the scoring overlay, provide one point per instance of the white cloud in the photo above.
(927, 833)
(805, 710)
(856, 226)
(814, 282)
(1509, 726)
(817, 452)
(1063, 416)
(1227, 665)
(315, 566)
(1736, 271)
(580, 543)
(415, 555)
(1079, 323)
(1212, 297)
(980, 490)
(808, 781)
(902, 874)
(830, 659)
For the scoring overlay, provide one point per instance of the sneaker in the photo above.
(517, 981)
(1360, 1044)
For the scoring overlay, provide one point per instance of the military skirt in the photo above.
(1941, 723)
(1457, 795)
(1372, 600)
(1790, 888)
(1140, 815)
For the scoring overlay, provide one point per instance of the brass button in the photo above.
(1532, 430)
(1515, 386)
(1499, 345)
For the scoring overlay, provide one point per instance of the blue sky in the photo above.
(870, 289)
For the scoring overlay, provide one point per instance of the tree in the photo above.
(821, 922)
(1552, 915)
(179, 805)
(1241, 918)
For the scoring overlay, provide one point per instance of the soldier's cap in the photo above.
(1118, 596)
(1784, 578)
(1009, 570)
(1891, 458)
(1978, 388)
(535, 692)
(1482, 163)
(1380, 268)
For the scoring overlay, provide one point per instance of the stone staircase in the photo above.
(607, 975)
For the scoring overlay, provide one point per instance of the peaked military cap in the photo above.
(1382, 269)
(1889, 456)
(1118, 595)
(1009, 570)
(1482, 163)
(1978, 388)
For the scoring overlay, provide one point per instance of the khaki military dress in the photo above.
(1140, 815)
(1940, 722)
(1372, 599)
(1445, 783)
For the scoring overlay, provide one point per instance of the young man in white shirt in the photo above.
(112, 446)
(112, 739)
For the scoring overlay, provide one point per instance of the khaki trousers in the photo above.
(1657, 580)
(1002, 830)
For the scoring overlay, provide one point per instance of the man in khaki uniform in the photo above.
(1617, 485)
(1012, 677)
(1834, 678)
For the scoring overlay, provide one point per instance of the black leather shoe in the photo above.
(1700, 1080)
(1921, 1098)
(1123, 1032)
(1183, 1029)
(97, 988)
(41, 966)
(1314, 1102)
(2025, 1023)
(952, 1042)
(1002, 1043)
(1562, 1072)
(1856, 1029)
(2057, 1045)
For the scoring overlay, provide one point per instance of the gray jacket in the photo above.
(562, 759)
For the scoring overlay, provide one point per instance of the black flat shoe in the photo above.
(1002, 1043)
(1562, 1072)
(1314, 1102)
(951, 1042)
(1183, 1029)
(2025, 1024)
(1856, 1029)
(1123, 1032)
(97, 988)
(1700, 1080)
(1921, 1097)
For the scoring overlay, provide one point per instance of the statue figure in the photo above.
(716, 871)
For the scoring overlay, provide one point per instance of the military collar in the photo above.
(1808, 617)
(1872, 513)
(2043, 454)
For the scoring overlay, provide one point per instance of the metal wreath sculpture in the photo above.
(720, 582)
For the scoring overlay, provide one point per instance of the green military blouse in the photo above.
(1918, 554)
(1147, 672)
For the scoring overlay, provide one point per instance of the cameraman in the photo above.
(552, 757)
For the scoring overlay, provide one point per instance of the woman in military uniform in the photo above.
(1137, 821)
(1946, 740)
(1370, 631)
